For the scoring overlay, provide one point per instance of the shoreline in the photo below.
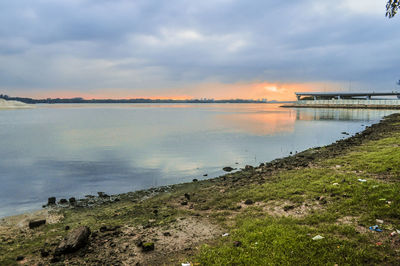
(211, 205)
(300, 159)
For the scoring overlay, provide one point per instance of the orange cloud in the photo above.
(257, 90)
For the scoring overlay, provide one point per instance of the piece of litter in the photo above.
(393, 233)
(398, 231)
(375, 228)
(379, 243)
(226, 234)
(318, 237)
(362, 180)
(186, 264)
(379, 221)
(335, 184)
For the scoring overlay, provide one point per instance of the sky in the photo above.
(182, 49)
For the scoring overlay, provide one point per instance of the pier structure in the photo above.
(371, 100)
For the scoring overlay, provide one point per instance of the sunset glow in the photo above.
(241, 90)
(278, 91)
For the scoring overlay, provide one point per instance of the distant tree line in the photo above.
(137, 100)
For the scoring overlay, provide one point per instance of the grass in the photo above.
(283, 241)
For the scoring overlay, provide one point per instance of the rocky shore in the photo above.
(254, 215)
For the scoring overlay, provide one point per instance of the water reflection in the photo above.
(341, 114)
(259, 123)
(74, 150)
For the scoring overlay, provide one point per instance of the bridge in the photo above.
(347, 100)
(343, 95)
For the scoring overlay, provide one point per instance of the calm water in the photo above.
(75, 150)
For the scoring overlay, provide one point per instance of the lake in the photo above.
(71, 150)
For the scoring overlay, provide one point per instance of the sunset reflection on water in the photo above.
(259, 123)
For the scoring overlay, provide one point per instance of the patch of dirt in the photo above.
(352, 221)
(172, 244)
(287, 208)
(21, 221)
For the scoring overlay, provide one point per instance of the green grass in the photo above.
(374, 157)
(283, 241)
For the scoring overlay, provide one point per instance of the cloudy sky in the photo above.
(187, 49)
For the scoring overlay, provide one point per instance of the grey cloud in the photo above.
(159, 44)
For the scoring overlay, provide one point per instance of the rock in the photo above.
(248, 202)
(139, 243)
(75, 240)
(227, 169)
(102, 195)
(44, 253)
(187, 196)
(237, 244)
(146, 226)
(72, 200)
(55, 259)
(19, 258)
(322, 199)
(51, 201)
(36, 223)
(195, 180)
(248, 167)
(63, 201)
(149, 246)
(111, 228)
(288, 207)
(103, 229)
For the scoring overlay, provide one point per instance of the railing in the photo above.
(348, 102)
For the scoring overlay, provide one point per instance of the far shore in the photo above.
(13, 105)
